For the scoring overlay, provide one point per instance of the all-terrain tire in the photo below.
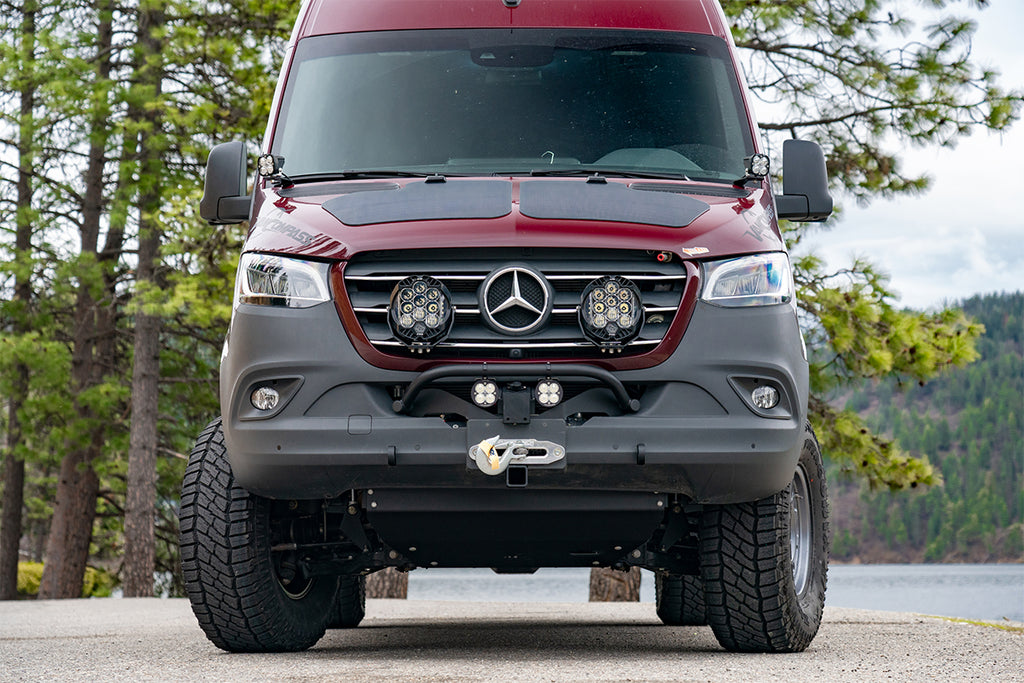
(680, 600)
(765, 563)
(230, 575)
(350, 603)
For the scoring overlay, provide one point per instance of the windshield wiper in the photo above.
(613, 172)
(362, 174)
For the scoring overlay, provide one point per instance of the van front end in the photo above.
(513, 295)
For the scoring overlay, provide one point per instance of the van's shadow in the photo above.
(529, 637)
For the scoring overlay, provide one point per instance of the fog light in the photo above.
(265, 398)
(765, 397)
(485, 393)
(549, 393)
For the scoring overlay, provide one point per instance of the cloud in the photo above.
(942, 264)
(966, 234)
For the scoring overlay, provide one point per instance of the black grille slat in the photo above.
(370, 278)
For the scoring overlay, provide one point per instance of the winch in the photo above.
(494, 454)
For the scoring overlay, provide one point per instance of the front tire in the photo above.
(679, 599)
(246, 598)
(350, 603)
(765, 563)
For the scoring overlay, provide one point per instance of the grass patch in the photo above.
(991, 624)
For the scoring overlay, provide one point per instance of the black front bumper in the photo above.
(694, 433)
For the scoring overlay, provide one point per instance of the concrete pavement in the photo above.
(152, 639)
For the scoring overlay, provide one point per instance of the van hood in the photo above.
(336, 220)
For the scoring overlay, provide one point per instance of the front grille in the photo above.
(370, 278)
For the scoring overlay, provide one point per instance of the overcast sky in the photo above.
(965, 235)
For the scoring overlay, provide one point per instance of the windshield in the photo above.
(513, 101)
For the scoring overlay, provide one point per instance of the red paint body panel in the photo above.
(300, 226)
(337, 16)
(730, 227)
(657, 355)
(323, 17)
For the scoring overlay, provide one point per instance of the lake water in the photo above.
(990, 592)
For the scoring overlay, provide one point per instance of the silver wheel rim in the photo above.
(286, 571)
(800, 533)
(295, 588)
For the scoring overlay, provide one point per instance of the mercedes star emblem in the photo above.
(515, 300)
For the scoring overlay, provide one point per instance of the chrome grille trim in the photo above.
(369, 280)
(476, 311)
(398, 278)
(511, 345)
(583, 276)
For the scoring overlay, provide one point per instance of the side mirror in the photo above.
(224, 198)
(805, 195)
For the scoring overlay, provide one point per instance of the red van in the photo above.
(514, 295)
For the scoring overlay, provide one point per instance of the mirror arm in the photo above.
(234, 209)
(792, 207)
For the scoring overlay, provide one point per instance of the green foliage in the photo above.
(969, 422)
(219, 59)
(30, 574)
(855, 332)
(97, 583)
(857, 76)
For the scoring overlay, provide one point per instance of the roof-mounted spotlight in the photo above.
(270, 166)
(756, 168)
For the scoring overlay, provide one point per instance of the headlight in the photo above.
(420, 313)
(611, 313)
(758, 280)
(275, 281)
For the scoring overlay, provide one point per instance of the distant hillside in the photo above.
(969, 423)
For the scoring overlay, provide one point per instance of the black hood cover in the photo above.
(425, 201)
(590, 201)
(543, 199)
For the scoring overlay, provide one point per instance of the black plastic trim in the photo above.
(530, 370)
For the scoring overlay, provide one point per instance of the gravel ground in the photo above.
(152, 639)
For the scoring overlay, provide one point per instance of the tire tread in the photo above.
(231, 585)
(752, 604)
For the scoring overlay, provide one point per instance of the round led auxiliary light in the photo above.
(420, 313)
(611, 314)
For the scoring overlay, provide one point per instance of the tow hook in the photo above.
(493, 455)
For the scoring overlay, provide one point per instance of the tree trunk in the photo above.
(13, 500)
(139, 536)
(67, 546)
(612, 585)
(74, 508)
(13, 466)
(388, 583)
(140, 513)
